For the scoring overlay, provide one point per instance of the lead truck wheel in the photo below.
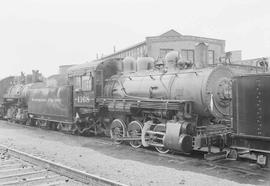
(161, 128)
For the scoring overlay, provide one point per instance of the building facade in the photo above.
(158, 46)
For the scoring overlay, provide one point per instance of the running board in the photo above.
(129, 139)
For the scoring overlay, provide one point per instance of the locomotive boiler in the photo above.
(208, 88)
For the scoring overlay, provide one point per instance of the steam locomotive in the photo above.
(177, 106)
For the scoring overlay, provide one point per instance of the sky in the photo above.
(44, 34)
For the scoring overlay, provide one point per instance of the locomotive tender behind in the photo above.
(51, 104)
(176, 106)
(251, 116)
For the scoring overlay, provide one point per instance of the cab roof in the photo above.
(81, 69)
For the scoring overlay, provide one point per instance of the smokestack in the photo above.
(114, 49)
(201, 55)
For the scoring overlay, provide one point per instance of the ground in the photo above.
(119, 162)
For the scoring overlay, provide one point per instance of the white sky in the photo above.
(42, 35)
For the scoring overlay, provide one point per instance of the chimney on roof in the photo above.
(201, 55)
(114, 49)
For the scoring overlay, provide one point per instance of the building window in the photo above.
(164, 51)
(211, 57)
(188, 55)
(144, 51)
(141, 51)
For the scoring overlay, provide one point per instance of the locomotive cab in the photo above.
(88, 82)
(82, 78)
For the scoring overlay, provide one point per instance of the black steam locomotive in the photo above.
(176, 106)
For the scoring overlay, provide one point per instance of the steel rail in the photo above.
(63, 170)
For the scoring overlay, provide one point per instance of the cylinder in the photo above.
(175, 138)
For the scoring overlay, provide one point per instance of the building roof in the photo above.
(171, 33)
(125, 49)
(174, 34)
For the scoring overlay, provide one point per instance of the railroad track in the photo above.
(243, 168)
(19, 168)
(196, 160)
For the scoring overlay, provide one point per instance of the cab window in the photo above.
(87, 82)
(77, 82)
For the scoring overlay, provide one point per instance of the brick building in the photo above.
(158, 46)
